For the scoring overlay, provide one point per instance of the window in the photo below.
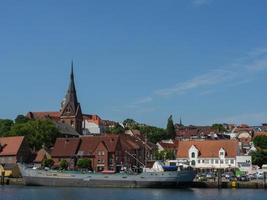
(193, 155)
(217, 161)
(232, 161)
(193, 163)
(203, 161)
(221, 161)
(212, 161)
(198, 161)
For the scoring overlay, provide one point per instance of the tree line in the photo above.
(37, 132)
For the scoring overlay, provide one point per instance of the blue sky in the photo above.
(203, 60)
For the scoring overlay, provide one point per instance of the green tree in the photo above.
(260, 141)
(84, 163)
(63, 165)
(117, 129)
(130, 124)
(21, 119)
(259, 158)
(165, 155)
(47, 163)
(37, 132)
(5, 126)
(171, 132)
(219, 128)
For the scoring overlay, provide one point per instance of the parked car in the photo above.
(252, 176)
(260, 175)
(210, 175)
(228, 175)
(243, 178)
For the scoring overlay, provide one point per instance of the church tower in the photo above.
(71, 112)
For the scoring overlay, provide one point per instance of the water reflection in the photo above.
(49, 193)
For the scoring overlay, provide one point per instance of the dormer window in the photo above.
(222, 153)
(193, 155)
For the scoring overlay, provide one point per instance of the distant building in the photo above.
(14, 149)
(166, 145)
(194, 132)
(40, 156)
(92, 125)
(71, 115)
(65, 149)
(209, 154)
(107, 152)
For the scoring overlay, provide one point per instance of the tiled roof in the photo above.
(208, 148)
(189, 131)
(89, 143)
(167, 146)
(41, 155)
(44, 115)
(93, 118)
(66, 129)
(10, 145)
(260, 134)
(65, 147)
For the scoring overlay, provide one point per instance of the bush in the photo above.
(64, 164)
(84, 163)
(48, 163)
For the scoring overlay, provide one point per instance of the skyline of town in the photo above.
(196, 61)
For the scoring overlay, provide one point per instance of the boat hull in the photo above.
(144, 180)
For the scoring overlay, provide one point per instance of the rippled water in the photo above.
(46, 193)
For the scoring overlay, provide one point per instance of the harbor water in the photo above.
(49, 193)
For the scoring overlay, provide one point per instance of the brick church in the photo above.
(70, 119)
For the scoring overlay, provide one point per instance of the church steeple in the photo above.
(71, 112)
(71, 96)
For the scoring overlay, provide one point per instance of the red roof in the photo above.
(10, 145)
(89, 143)
(43, 115)
(260, 134)
(167, 146)
(41, 155)
(208, 148)
(65, 147)
(93, 118)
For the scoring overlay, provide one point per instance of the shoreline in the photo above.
(204, 185)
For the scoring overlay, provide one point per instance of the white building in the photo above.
(212, 154)
(92, 125)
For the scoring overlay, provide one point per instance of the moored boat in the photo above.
(154, 177)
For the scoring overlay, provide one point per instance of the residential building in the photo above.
(14, 149)
(107, 152)
(209, 154)
(92, 125)
(167, 145)
(65, 149)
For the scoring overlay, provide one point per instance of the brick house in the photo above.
(65, 149)
(107, 152)
(14, 149)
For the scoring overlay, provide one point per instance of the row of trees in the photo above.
(37, 132)
(154, 134)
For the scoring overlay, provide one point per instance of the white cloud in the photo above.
(143, 100)
(211, 78)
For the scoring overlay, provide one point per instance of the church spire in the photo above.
(71, 100)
